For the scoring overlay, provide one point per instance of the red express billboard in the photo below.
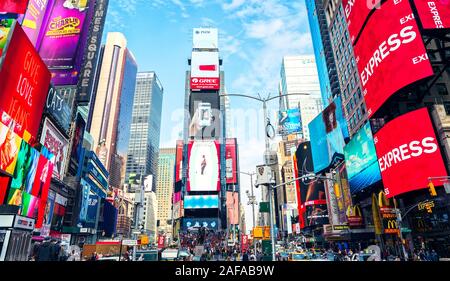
(433, 14)
(231, 161)
(356, 13)
(179, 160)
(13, 6)
(204, 168)
(24, 82)
(408, 153)
(390, 53)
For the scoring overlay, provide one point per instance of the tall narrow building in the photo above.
(112, 99)
(143, 149)
(164, 188)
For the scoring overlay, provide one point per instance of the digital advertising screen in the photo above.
(179, 160)
(231, 161)
(30, 205)
(232, 207)
(205, 38)
(203, 166)
(210, 223)
(356, 13)
(43, 174)
(24, 82)
(328, 132)
(289, 122)
(77, 144)
(25, 167)
(408, 153)
(361, 160)
(4, 183)
(201, 202)
(35, 19)
(5, 28)
(205, 116)
(390, 53)
(9, 148)
(315, 214)
(13, 6)
(205, 71)
(433, 14)
(59, 105)
(48, 214)
(58, 145)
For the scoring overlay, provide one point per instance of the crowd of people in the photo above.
(51, 249)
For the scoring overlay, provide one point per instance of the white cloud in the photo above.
(233, 5)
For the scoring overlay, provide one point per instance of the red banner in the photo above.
(205, 83)
(24, 83)
(390, 53)
(178, 159)
(356, 13)
(230, 160)
(408, 153)
(244, 242)
(13, 6)
(433, 14)
(161, 241)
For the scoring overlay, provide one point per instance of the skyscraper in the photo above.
(113, 97)
(299, 76)
(165, 186)
(143, 149)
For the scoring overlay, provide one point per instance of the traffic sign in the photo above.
(129, 242)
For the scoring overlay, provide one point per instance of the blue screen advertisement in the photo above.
(361, 160)
(211, 223)
(289, 122)
(201, 202)
(328, 132)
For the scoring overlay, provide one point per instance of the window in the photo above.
(441, 89)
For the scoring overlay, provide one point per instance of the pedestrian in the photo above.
(55, 249)
(245, 256)
(252, 257)
(43, 251)
(94, 256)
(72, 256)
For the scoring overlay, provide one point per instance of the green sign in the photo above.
(264, 207)
(267, 247)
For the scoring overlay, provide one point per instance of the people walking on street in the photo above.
(44, 250)
(72, 256)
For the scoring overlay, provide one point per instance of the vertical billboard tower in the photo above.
(204, 149)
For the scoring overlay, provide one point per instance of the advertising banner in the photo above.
(232, 207)
(161, 241)
(336, 201)
(390, 49)
(59, 105)
(203, 169)
(13, 6)
(24, 82)
(210, 223)
(88, 69)
(289, 122)
(389, 218)
(30, 206)
(177, 210)
(58, 216)
(408, 153)
(315, 214)
(48, 214)
(201, 202)
(433, 14)
(231, 161)
(4, 183)
(35, 20)
(354, 216)
(57, 145)
(205, 116)
(25, 168)
(176, 197)
(179, 161)
(244, 242)
(205, 71)
(5, 28)
(328, 132)
(205, 38)
(43, 173)
(361, 160)
(9, 148)
(77, 145)
(356, 13)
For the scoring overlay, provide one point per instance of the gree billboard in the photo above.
(205, 71)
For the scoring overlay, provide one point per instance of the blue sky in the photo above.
(253, 37)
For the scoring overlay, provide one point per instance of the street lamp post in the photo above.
(253, 202)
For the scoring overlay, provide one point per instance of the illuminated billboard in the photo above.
(13, 6)
(205, 71)
(9, 148)
(433, 14)
(232, 207)
(35, 19)
(328, 132)
(179, 161)
(289, 122)
(5, 28)
(77, 145)
(231, 161)
(408, 153)
(356, 13)
(24, 83)
(390, 54)
(210, 223)
(59, 105)
(58, 145)
(205, 38)
(204, 168)
(205, 116)
(361, 160)
(201, 202)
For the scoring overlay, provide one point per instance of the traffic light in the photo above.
(432, 189)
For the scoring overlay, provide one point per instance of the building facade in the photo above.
(164, 188)
(143, 148)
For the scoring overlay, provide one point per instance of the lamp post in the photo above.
(268, 134)
(251, 201)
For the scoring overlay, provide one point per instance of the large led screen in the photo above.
(58, 145)
(408, 153)
(231, 161)
(433, 14)
(35, 18)
(328, 132)
(289, 122)
(179, 161)
(5, 28)
(205, 38)
(390, 53)
(356, 13)
(205, 116)
(205, 71)
(59, 105)
(203, 169)
(9, 148)
(24, 82)
(13, 6)
(361, 160)
(232, 204)
(201, 202)
(210, 223)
